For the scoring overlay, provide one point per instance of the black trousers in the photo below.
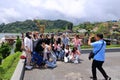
(98, 65)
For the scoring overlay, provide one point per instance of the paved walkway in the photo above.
(82, 71)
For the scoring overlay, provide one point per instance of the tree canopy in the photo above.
(30, 25)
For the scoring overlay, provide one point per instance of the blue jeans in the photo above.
(59, 54)
(37, 58)
(51, 64)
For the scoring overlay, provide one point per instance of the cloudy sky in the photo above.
(72, 10)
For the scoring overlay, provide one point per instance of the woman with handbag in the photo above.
(99, 56)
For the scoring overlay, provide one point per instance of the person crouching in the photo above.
(75, 55)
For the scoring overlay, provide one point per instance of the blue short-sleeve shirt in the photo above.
(100, 56)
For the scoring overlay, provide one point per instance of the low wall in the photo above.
(19, 71)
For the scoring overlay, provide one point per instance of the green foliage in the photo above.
(29, 25)
(18, 44)
(5, 50)
(1, 58)
(82, 26)
(103, 29)
(1, 73)
(89, 27)
(8, 66)
(70, 26)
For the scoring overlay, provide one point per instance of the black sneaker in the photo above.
(93, 78)
(108, 78)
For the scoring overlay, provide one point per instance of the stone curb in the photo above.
(19, 71)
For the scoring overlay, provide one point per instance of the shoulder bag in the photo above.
(91, 54)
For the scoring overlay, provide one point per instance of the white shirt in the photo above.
(66, 51)
(28, 43)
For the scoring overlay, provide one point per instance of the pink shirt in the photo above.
(76, 42)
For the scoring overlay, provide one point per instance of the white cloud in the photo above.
(6, 13)
(72, 10)
(10, 12)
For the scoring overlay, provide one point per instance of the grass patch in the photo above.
(9, 65)
(108, 46)
(86, 47)
(11, 70)
(113, 46)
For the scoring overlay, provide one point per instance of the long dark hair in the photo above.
(74, 49)
(77, 36)
(28, 35)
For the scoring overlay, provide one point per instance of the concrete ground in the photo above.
(81, 71)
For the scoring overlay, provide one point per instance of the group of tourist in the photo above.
(47, 49)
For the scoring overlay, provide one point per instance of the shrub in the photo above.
(1, 73)
(0, 58)
(6, 69)
(8, 61)
(18, 44)
(5, 50)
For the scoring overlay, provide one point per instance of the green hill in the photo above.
(29, 25)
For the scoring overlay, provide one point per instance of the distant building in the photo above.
(10, 39)
(115, 27)
(82, 30)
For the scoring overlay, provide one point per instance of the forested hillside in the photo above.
(30, 25)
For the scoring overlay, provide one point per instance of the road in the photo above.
(81, 71)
